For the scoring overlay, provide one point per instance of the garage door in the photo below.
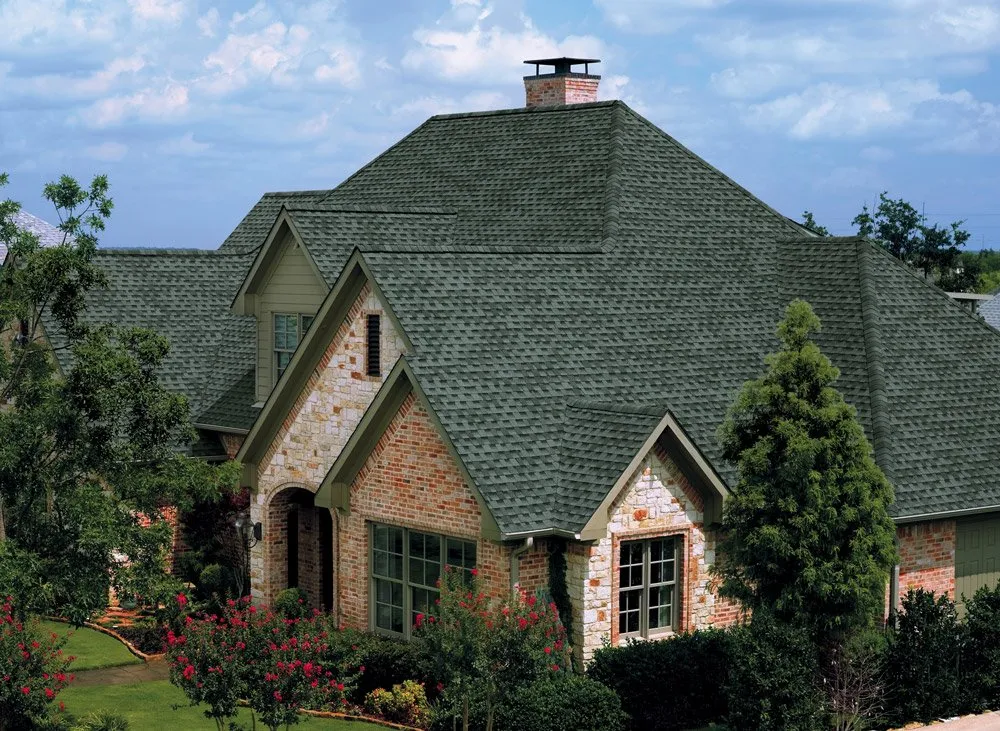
(977, 556)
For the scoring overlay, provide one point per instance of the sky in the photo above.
(195, 108)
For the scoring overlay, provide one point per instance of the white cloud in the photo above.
(107, 151)
(52, 23)
(185, 145)
(428, 106)
(208, 23)
(170, 101)
(483, 49)
(829, 110)
(655, 16)
(170, 12)
(314, 126)
(102, 81)
(753, 80)
(283, 54)
(342, 68)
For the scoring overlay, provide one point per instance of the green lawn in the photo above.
(92, 649)
(159, 705)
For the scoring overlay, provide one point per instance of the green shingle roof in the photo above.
(568, 275)
(677, 306)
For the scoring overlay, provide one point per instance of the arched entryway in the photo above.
(299, 546)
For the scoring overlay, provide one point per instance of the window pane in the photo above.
(389, 605)
(661, 607)
(425, 563)
(422, 602)
(661, 561)
(628, 610)
(461, 554)
(284, 358)
(307, 320)
(630, 565)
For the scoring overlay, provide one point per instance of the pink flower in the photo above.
(26, 690)
(188, 672)
(419, 619)
(182, 600)
(548, 650)
(49, 693)
(475, 572)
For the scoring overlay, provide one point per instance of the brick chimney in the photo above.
(563, 86)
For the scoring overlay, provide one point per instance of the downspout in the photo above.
(515, 562)
(893, 595)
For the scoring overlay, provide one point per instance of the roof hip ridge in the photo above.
(612, 180)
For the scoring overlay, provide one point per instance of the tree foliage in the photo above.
(806, 534)
(903, 231)
(88, 457)
(810, 223)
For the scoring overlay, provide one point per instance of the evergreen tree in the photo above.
(806, 535)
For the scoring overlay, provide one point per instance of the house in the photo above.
(990, 311)
(508, 342)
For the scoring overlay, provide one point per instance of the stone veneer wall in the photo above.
(927, 557)
(411, 480)
(658, 501)
(315, 430)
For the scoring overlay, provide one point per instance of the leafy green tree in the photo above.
(806, 535)
(903, 231)
(88, 457)
(810, 223)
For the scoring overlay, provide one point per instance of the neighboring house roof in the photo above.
(48, 235)
(990, 311)
(182, 294)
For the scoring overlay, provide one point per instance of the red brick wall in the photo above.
(410, 480)
(232, 443)
(927, 557)
(549, 91)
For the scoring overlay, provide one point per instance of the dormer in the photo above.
(283, 291)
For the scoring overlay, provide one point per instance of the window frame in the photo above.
(407, 585)
(675, 585)
(303, 321)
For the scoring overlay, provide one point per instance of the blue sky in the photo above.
(196, 107)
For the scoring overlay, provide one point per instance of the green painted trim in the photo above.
(334, 490)
(946, 515)
(328, 320)
(244, 302)
(682, 450)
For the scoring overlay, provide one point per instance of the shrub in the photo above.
(484, 649)
(292, 603)
(387, 661)
(923, 659)
(102, 721)
(279, 665)
(773, 678)
(563, 703)
(981, 658)
(147, 637)
(639, 671)
(32, 671)
(406, 703)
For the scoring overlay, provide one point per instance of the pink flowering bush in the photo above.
(485, 648)
(32, 671)
(278, 665)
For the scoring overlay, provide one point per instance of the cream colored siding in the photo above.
(292, 288)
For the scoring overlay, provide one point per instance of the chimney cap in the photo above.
(564, 64)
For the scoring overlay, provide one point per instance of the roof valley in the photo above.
(877, 396)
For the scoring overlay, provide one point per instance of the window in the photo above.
(405, 568)
(647, 586)
(373, 358)
(288, 331)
